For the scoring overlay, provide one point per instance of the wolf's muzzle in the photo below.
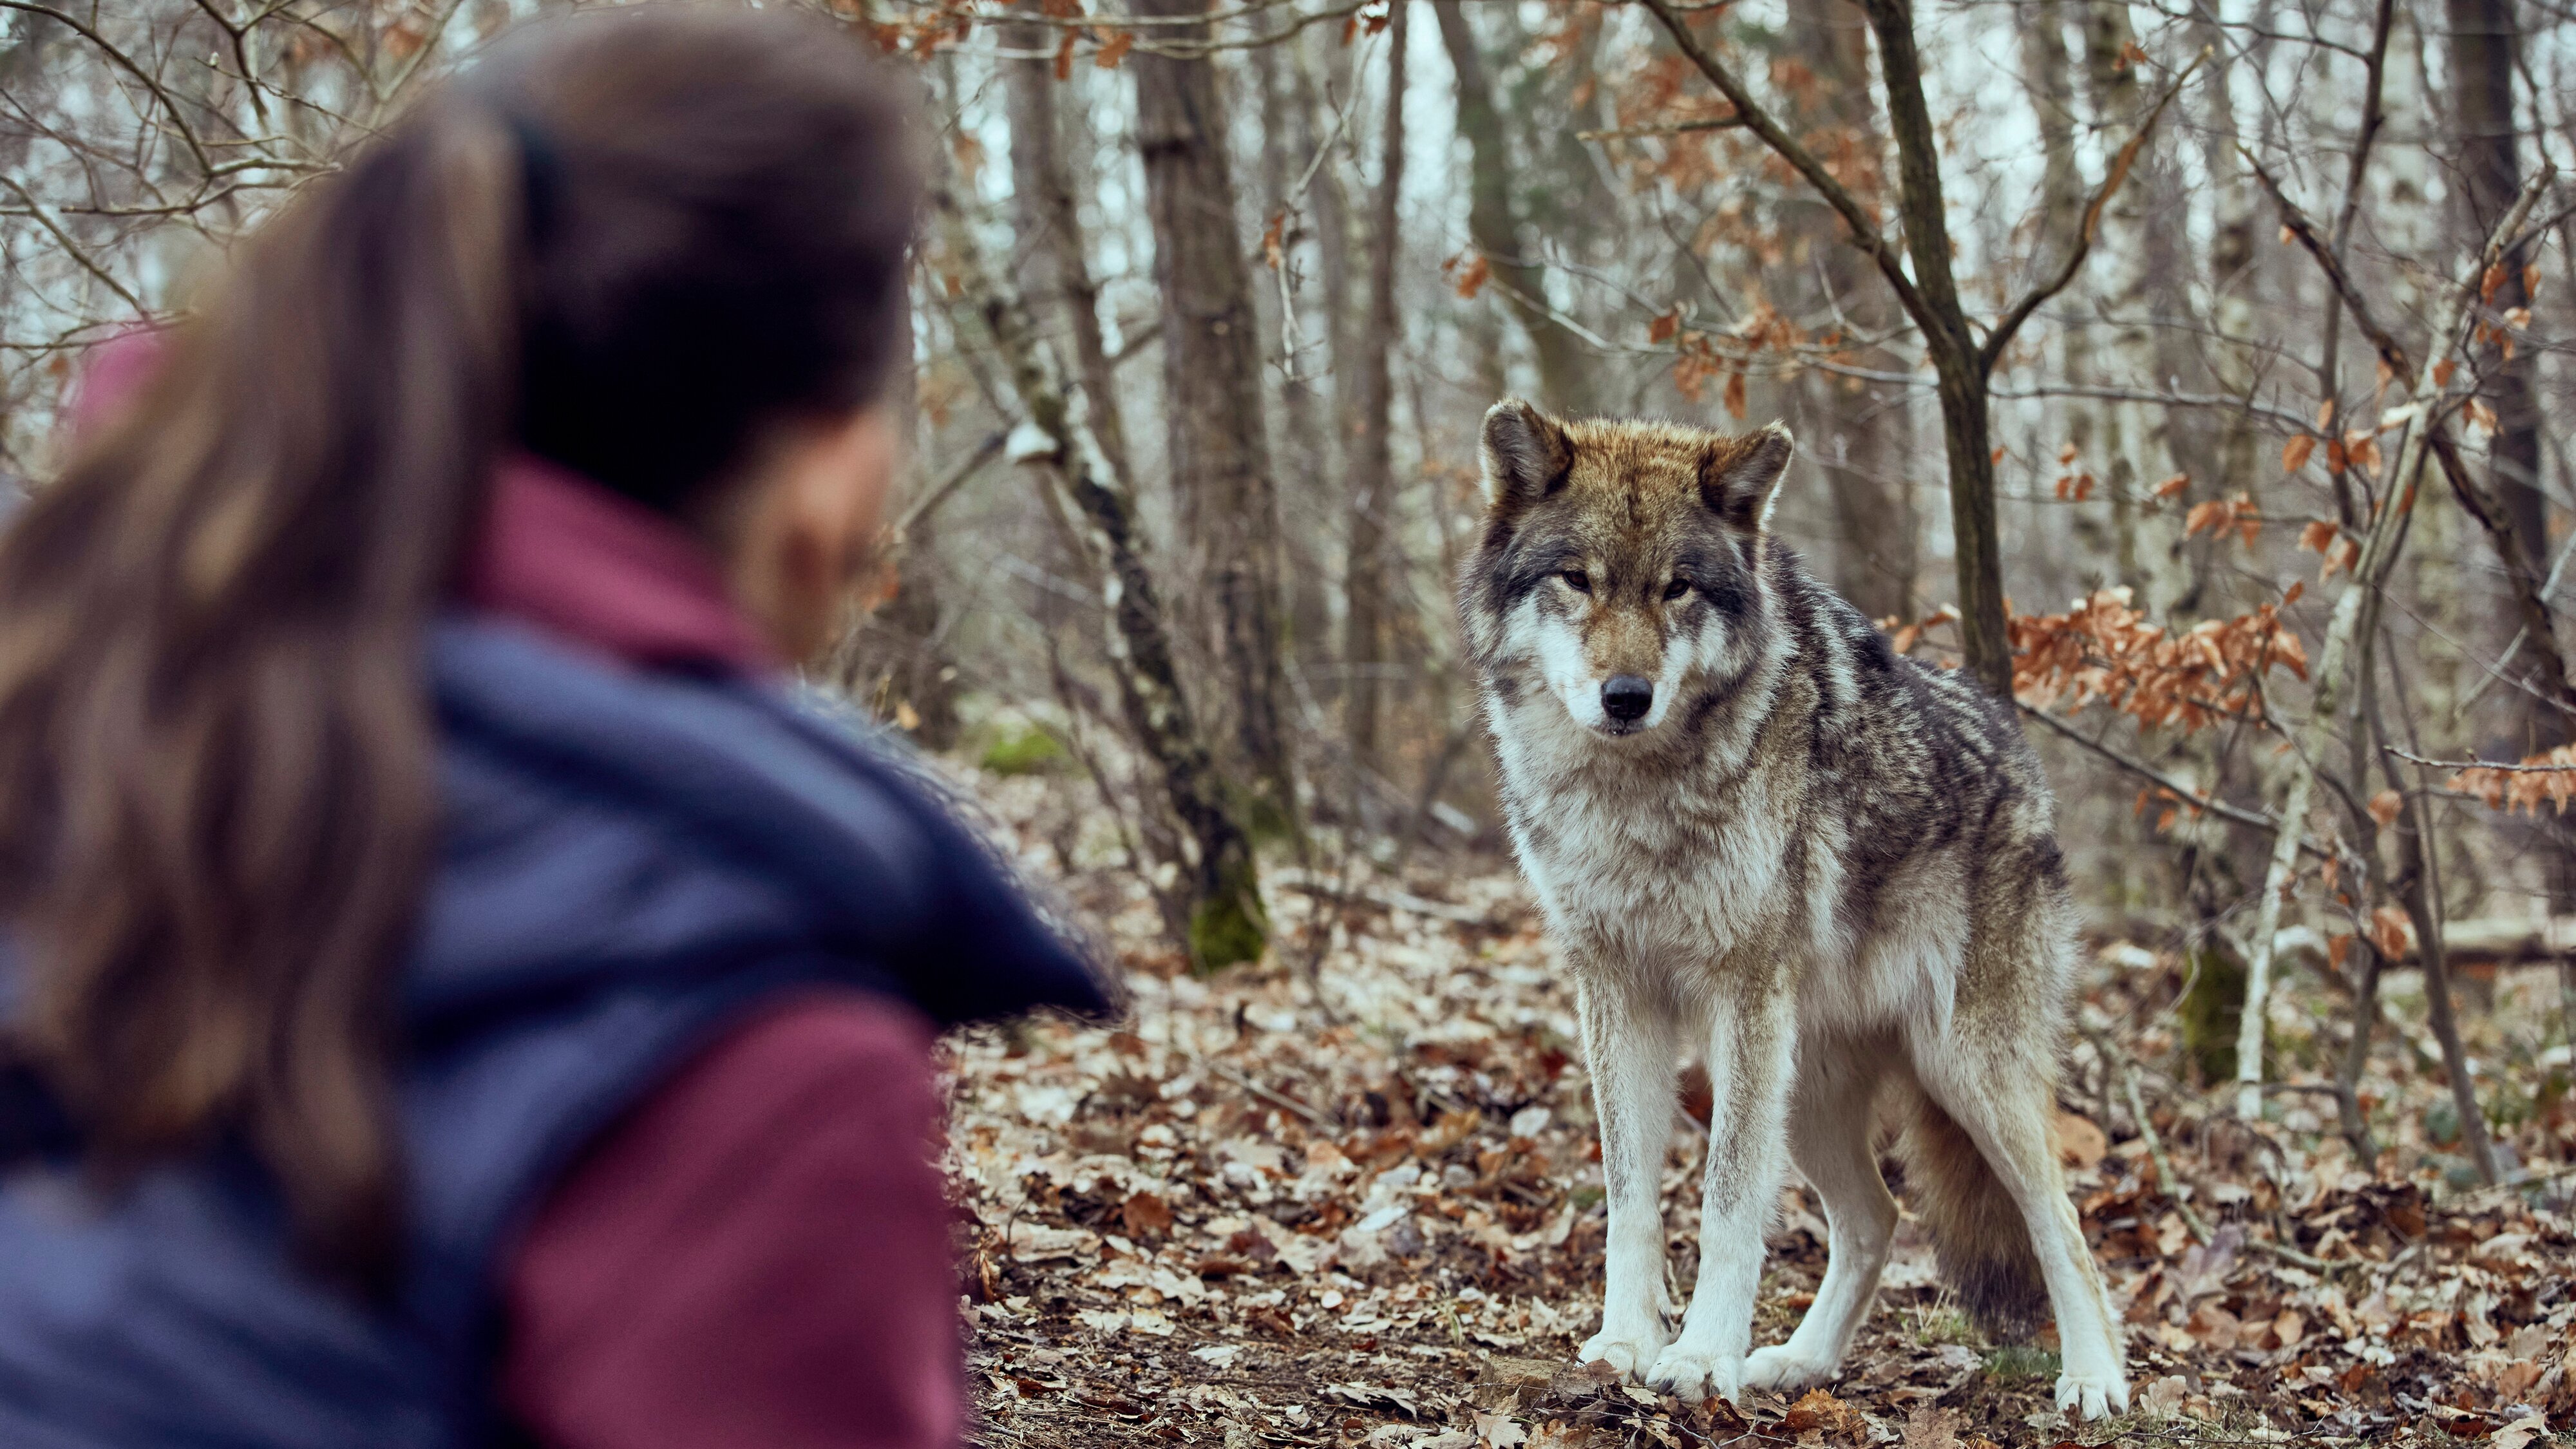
(1626, 697)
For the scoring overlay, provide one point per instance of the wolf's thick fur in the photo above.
(1832, 866)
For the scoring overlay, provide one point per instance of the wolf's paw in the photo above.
(1694, 1374)
(1781, 1367)
(2093, 1396)
(1628, 1353)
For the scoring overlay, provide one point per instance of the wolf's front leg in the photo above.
(1752, 1052)
(1628, 1044)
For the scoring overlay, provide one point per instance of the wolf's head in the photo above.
(1619, 562)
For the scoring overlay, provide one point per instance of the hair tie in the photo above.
(540, 175)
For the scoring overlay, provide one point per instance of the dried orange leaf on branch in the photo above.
(2547, 777)
(2390, 932)
(1468, 273)
(2104, 649)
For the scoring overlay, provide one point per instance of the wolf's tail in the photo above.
(1978, 1236)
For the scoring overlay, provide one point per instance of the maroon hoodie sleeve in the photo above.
(757, 1257)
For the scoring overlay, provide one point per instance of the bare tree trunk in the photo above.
(1493, 222)
(1227, 922)
(1861, 430)
(1219, 446)
(1306, 457)
(1957, 365)
(2146, 337)
(2048, 72)
(2235, 279)
(1340, 315)
(1372, 510)
(2483, 41)
(1050, 235)
(2484, 38)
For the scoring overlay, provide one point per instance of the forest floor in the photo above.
(1248, 1216)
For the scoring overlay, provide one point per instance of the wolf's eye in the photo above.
(1676, 589)
(1577, 580)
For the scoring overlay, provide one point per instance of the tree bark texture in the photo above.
(1861, 432)
(1227, 922)
(1044, 214)
(1218, 444)
(1493, 223)
(1305, 458)
(1372, 504)
(1958, 369)
(2146, 339)
(2514, 510)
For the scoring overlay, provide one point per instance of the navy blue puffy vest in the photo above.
(630, 862)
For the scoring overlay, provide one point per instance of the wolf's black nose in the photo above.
(1627, 697)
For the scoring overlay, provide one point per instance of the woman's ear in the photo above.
(1527, 456)
(808, 524)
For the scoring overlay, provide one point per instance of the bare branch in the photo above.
(125, 63)
(2191, 798)
(2090, 226)
(1664, 128)
(1864, 230)
(45, 218)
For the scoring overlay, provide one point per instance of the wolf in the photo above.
(1755, 829)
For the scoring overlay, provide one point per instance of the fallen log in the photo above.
(2499, 939)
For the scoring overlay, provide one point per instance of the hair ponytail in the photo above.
(218, 795)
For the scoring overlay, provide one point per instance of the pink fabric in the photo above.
(579, 561)
(111, 373)
(758, 1258)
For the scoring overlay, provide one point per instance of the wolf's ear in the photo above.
(1527, 455)
(1739, 477)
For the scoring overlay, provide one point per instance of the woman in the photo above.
(451, 993)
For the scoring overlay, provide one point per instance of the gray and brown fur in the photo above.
(1831, 868)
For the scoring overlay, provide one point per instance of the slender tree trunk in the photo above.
(1372, 508)
(1219, 445)
(2483, 42)
(2235, 279)
(1958, 369)
(1861, 429)
(1493, 222)
(2147, 336)
(1050, 235)
(2484, 39)
(2353, 620)
(1305, 459)
(2048, 72)
(1333, 222)
(1227, 922)
(894, 662)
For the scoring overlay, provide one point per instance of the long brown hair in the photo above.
(627, 241)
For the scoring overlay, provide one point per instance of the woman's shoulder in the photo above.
(622, 816)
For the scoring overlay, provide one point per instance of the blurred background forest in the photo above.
(2195, 365)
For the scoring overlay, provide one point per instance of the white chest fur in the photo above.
(1636, 860)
